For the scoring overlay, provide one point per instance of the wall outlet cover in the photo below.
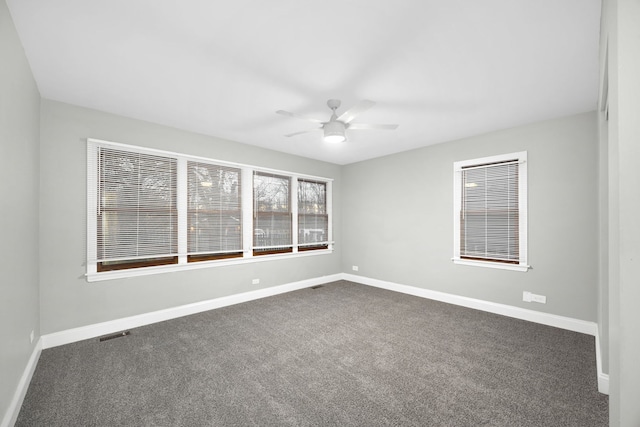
(529, 297)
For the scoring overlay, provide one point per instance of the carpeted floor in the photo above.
(343, 354)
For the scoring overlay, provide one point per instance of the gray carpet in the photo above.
(343, 354)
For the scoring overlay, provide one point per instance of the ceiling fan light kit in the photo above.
(335, 130)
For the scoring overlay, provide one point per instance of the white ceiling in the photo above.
(442, 69)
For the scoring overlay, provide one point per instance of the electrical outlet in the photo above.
(32, 336)
(529, 297)
(354, 268)
(255, 281)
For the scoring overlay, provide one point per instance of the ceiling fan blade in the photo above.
(368, 126)
(297, 116)
(352, 112)
(301, 132)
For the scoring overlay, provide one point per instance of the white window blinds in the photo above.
(271, 213)
(313, 220)
(214, 211)
(136, 207)
(151, 211)
(490, 214)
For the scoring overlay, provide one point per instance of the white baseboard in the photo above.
(603, 379)
(562, 322)
(568, 323)
(13, 410)
(92, 331)
(603, 383)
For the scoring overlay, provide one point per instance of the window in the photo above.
(272, 214)
(313, 220)
(490, 212)
(214, 212)
(137, 212)
(151, 211)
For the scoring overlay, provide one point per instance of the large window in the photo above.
(150, 211)
(490, 212)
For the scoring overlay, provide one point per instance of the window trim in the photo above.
(92, 274)
(521, 158)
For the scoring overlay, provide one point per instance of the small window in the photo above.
(490, 212)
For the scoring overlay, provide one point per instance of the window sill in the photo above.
(488, 264)
(146, 271)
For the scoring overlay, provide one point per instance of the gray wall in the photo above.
(67, 300)
(399, 215)
(19, 117)
(621, 32)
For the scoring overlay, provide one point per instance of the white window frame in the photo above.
(247, 171)
(521, 158)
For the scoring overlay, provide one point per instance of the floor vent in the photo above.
(316, 287)
(118, 335)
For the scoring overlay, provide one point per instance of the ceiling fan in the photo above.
(335, 129)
